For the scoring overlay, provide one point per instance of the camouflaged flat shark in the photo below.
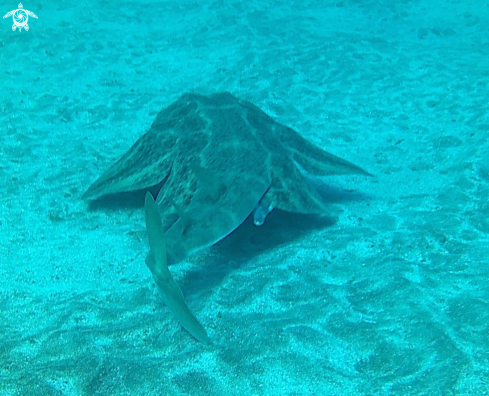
(219, 159)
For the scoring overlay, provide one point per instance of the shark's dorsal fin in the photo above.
(209, 182)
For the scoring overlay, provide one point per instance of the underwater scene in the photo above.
(228, 197)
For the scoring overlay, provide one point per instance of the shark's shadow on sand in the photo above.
(280, 228)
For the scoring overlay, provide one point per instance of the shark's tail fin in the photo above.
(157, 264)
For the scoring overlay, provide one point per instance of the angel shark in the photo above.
(218, 159)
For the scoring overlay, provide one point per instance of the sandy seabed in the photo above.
(388, 297)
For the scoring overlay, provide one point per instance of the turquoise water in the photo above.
(389, 296)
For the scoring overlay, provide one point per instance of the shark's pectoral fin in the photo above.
(157, 264)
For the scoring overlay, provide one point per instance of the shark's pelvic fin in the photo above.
(157, 264)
